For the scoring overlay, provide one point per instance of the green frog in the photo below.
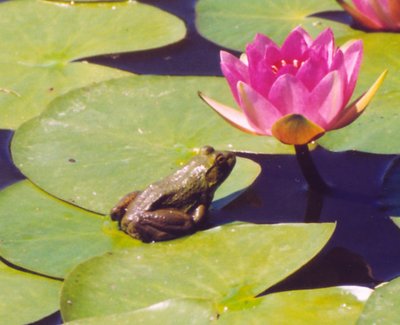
(178, 204)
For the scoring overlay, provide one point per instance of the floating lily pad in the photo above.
(384, 305)
(379, 54)
(65, 32)
(339, 305)
(35, 61)
(224, 265)
(94, 145)
(396, 221)
(242, 176)
(35, 87)
(187, 311)
(234, 24)
(46, 235)
(26, 297)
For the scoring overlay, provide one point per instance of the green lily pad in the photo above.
(65, 32)
(187, 311)
(95, 144)
(223, 265)
(26, 297)
(233, 25)
(243, 175)
(35, 62)
(35, 87)
(379, 54)
(376, 131)
(338, 305)
(384, 305)
(48, 236)
(396, 220)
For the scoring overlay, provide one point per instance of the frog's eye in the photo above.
(220, 159)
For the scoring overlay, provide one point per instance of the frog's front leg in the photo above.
(158, 225)
(119, 210)
(199, 214)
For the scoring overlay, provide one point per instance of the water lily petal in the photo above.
(296, 45)
(295, 129)
(339, 66)
(289, 95)
(375, 14)
(259, 68)
(365, 6)
(261, 78)
(272, 55)
(260, 113)
(312, 71)
(359, 16)
(351, 112)
(352, 52)
(381, 10)
(324, 45)
(258, 46)
(394, 9)
(255, 52)
(231, 115)
(327, 98)
(234, 71)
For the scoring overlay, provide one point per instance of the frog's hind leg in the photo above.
(148, 234)
(160, 225)
(119, 210)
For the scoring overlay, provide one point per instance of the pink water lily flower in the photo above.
(375, 14)
(295, 92)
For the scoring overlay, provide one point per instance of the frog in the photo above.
(178, 204)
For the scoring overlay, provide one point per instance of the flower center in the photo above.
(282, 63)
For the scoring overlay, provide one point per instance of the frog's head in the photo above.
(219, 165)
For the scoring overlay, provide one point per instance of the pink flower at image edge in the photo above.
(375, 14)
(295, 92)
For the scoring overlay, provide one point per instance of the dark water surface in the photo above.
(365, 249)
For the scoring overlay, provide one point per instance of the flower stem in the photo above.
(309, 170)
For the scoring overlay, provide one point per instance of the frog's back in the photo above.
(182, 190)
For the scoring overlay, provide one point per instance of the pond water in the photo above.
(365, 249)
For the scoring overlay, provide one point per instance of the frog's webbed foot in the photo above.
(159, 225)
(119, 210)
